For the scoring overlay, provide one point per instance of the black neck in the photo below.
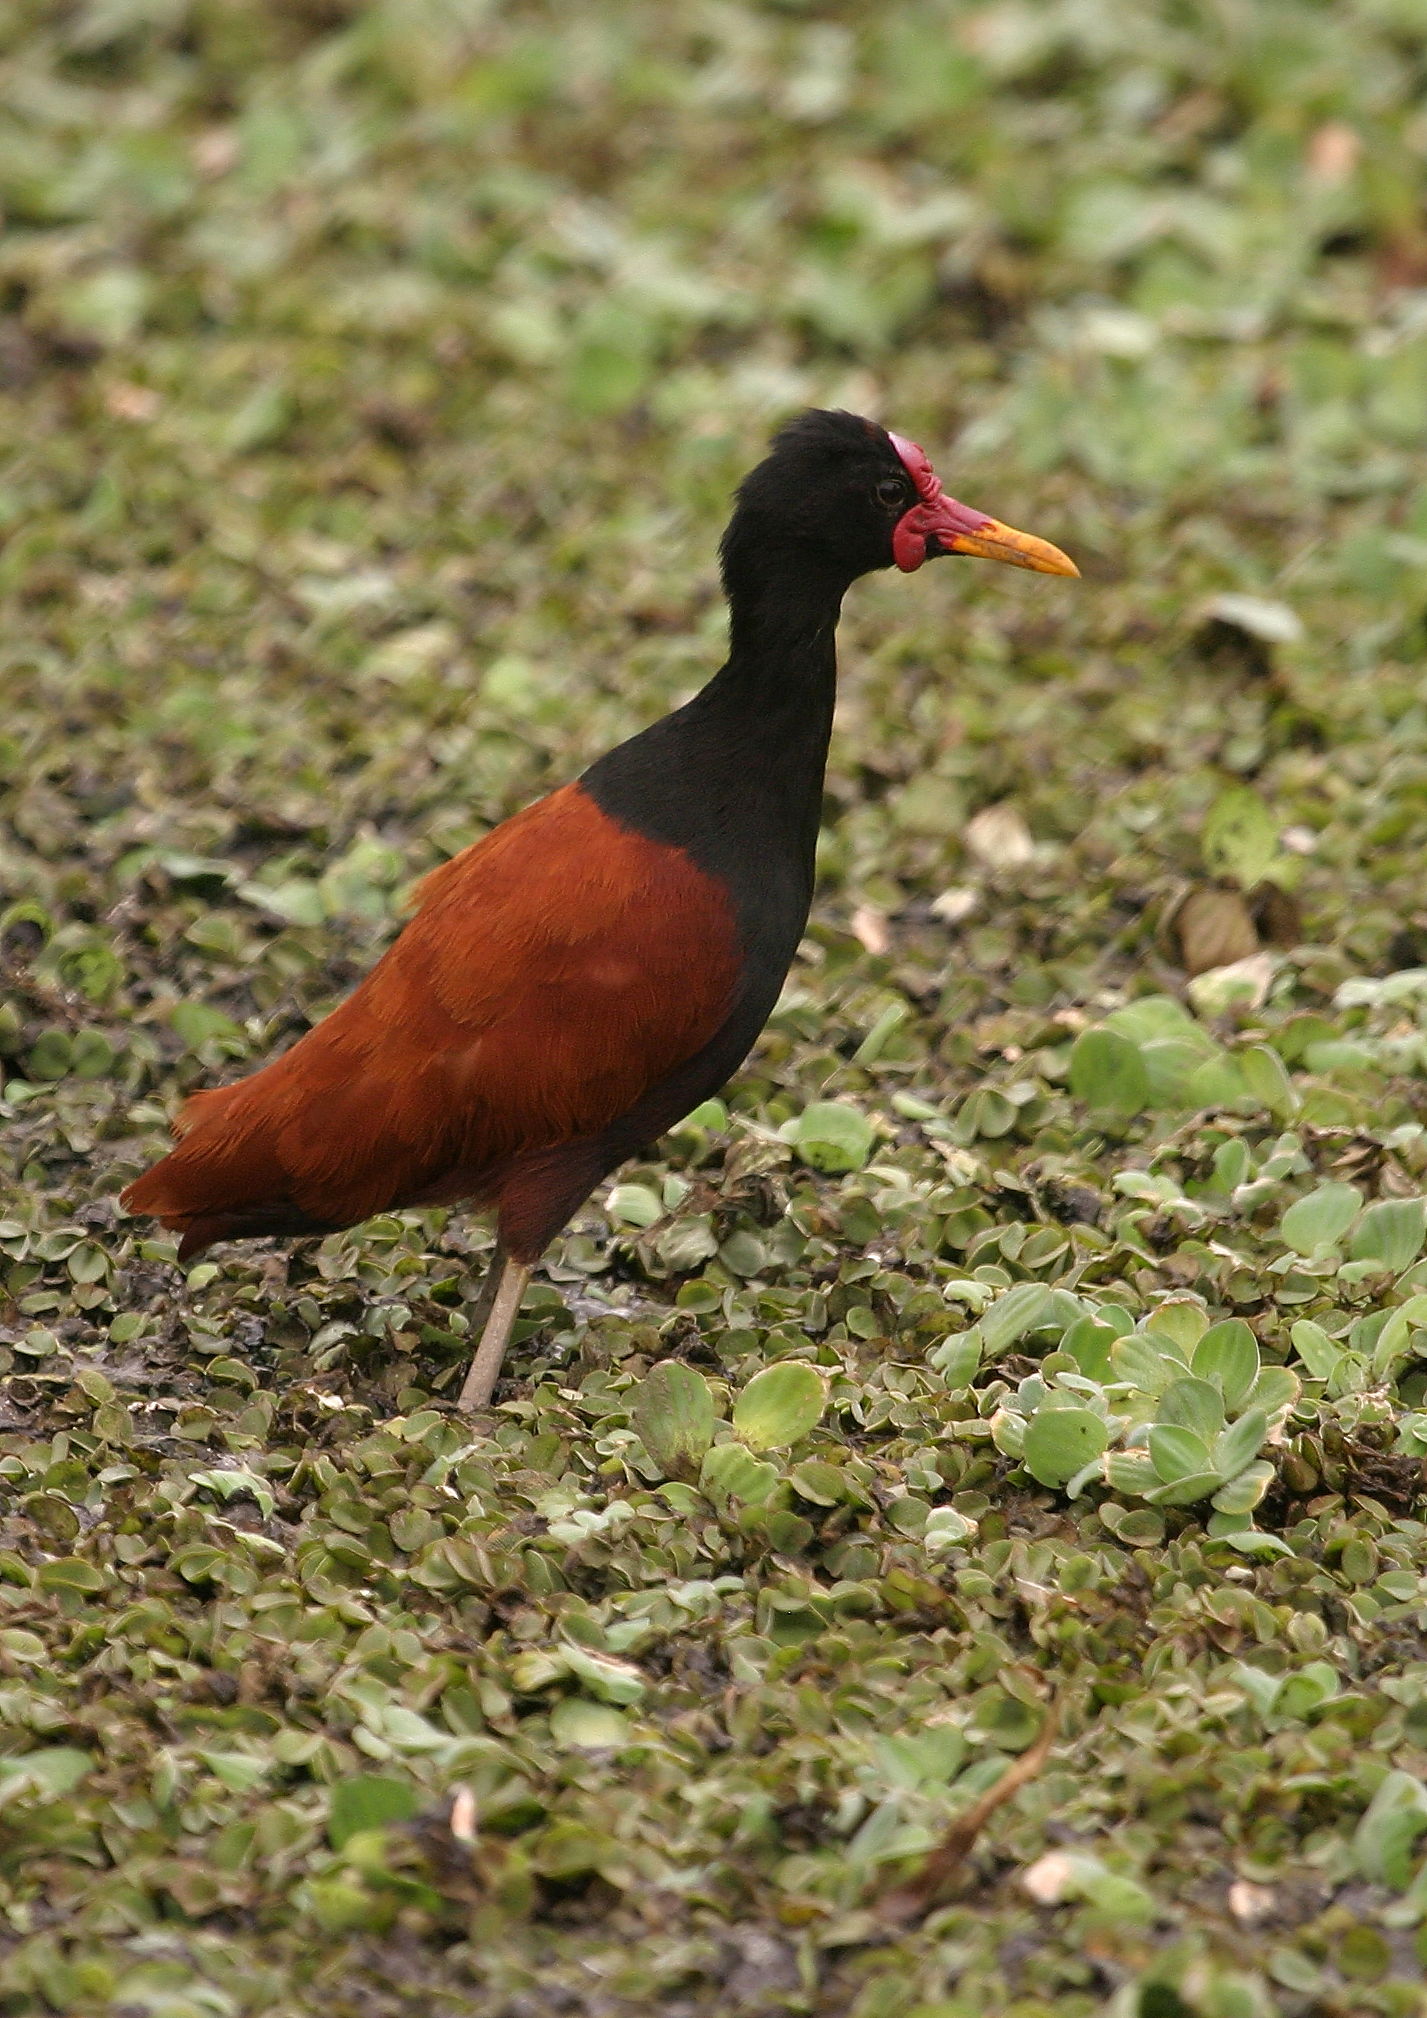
(782, 615)
(765, 718)
(735, 776)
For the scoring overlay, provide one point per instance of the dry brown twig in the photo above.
(907, 1903)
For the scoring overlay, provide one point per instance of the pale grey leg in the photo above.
(481, 1309)
(504, 1308)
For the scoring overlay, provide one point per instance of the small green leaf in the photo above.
(1261, 1688)
(673, 1413)
(1120, 1901)
(1238, 1496)
(611, 1680)
(1217, 929)
(1150, 1019)
(297, 901)
(1249, 1541)
(339, 1905)
(1392, 1232)
(1392, 1340)
(984, 1113)
(1321, 1218)
(583, 1726)
(1088, 1341)
(196, 1022)
(230, 1483)
(1196, 1485)
(1130, 1471)
(51, 1770)
(686, 1243)
(1180, 1320)
(958, 1358)
(69, 1573)
(1138, 1363)
(1193, 1404)
(1138, 1527)
(1240, 1442)
(878, 1037)
(945, 1528)
(831, 1135)
(1008, 1432)
(1228, 1355)
(711, 1115)
(1394, 1819)
(240, 1772)
(1218, 1082)
(1108, 1073)
(51, 1055)
(634, 1205)
(1320, 1354)
(823, 1484)
(1239, 837)
(1177, 1453)
(1266, 1077)
(106, 304)
(609, 367)
(263, 417)
(779, 1405)
(1059, 1442)
(25, 1647)
(730, 1472)
(368, 1801)
(1022, 1309)
(91, 1055)
(1308, 1690)
(1276, 1388)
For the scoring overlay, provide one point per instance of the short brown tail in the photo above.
(222, 1181)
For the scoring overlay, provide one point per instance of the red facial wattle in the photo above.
(937, 524)
(934, 516)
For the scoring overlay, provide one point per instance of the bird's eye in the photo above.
(891, 491)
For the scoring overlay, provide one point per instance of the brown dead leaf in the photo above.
(1190, 116)
(1277, 914)
(1403, 260)
(1211, 927)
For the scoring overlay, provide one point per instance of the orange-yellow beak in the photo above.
(993, 541)
(939, 524)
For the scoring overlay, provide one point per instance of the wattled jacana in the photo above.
(574, 983)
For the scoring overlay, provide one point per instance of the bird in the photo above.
(578, 980)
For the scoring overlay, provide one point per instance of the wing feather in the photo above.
(552, 973)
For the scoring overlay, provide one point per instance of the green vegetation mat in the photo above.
(374, 382)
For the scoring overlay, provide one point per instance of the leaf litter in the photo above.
(1027, 1324)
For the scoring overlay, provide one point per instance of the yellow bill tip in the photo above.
(996, 542)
